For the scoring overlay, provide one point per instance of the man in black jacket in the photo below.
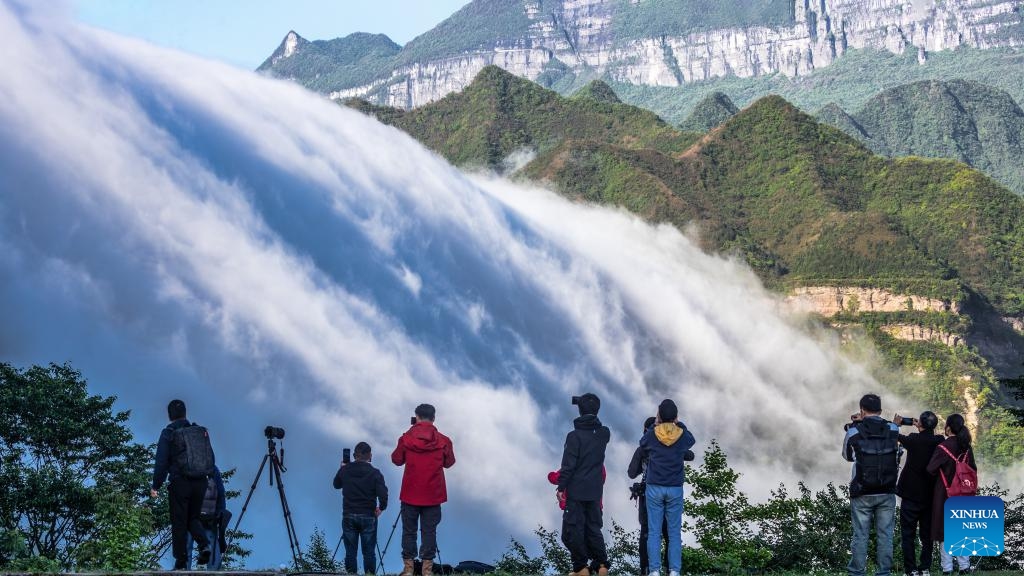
(185, 495)
(581, 481)
(364, 497)
(915, 487)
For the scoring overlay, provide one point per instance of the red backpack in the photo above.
(965, 479)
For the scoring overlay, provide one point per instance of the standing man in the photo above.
(638, 492)
(665, 447)
(184, 455)
(425, 453)
(581, 485)
(915, 489)
(872, 444)
(364, 497)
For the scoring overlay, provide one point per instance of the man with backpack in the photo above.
(872, 444)
(184, 455)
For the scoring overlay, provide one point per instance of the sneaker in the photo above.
(654, 574)
(924, 573)
(673, 573)
(602, 570)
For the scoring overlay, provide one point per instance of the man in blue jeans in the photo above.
(872, 444)
(665, 446)
(364, 497)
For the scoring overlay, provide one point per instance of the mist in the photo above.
(176, 227)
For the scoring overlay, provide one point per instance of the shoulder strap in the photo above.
(946, 450)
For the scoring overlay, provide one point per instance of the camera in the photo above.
(637, 490)
(575, 400)
(904, 421)
(346, 456)
(273, 433)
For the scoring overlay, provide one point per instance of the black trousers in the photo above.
(645, 562)
(186, 502)
(916, 520)
(581, 533)
(426, 519)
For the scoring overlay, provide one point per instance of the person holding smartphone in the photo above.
(364, 497)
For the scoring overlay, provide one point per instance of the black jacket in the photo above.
(362, 488)
(166, 461)
(915, 483)
(583, 459)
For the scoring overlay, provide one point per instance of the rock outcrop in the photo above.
(583, 38)
(831, 300)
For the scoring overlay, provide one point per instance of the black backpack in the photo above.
(193, 453)
(877, 457)
(208, 511)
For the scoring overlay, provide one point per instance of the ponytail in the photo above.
(956, 425)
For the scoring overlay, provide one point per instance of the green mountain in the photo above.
(962, 120)
(710, 112)
(500, 113)
(807, 206)
(598, 90)
(323, 65)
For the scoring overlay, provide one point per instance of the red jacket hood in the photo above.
(423, 437)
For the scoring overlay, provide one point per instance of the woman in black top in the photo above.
(916, 489)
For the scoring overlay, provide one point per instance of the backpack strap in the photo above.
(941, 473)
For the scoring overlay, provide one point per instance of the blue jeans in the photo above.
(356, 528)
(881, 509)
(215, 551)
(665, 503)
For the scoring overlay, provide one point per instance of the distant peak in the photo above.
(600, 91)
(712, 110)
(291, 43)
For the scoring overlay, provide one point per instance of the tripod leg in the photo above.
(247, 499)
(338, 547)
(293, 538)
(380, 556)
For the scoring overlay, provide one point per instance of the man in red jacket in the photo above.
(425, 453)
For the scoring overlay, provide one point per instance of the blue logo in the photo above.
(973, 526)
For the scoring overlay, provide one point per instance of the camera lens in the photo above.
(273, 433)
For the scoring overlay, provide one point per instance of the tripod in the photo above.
(276, 468)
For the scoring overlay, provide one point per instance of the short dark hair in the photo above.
(425, 412)
(648, 423)
(175, 410)
(362, 450)
(667, 411)
(928, 420)
(589, 404)
(871, 403)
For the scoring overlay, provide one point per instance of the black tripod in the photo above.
(276, 468)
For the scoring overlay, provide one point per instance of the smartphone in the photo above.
(346, 455)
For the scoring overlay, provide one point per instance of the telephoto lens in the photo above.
(273, 433)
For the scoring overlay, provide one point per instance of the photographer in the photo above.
(425, 453)
(915, 488)
(581, 486)
(665, 446)
(364, 497)
(956, 446)
(638, 492)
(872, 444)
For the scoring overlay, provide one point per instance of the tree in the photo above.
(720, 517)
(62, 452)
(318, 556)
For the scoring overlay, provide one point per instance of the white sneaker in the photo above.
(673, 573)
(925, 573)
(654, 574)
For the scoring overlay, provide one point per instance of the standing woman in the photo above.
(943, 465)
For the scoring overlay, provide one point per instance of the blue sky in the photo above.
(245, 33)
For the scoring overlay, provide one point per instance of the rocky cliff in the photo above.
(832, 300)
(647, 42)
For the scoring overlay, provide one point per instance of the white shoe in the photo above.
(654, 574)
(925, 573)
(673, 573)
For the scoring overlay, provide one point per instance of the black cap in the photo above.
(667, 411)
(871, 403)
(589, 404)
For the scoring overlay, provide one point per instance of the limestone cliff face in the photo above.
(578, 37)
(914, 332)
(831, 300)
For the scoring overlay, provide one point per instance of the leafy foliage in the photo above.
(65, 455)
(654, 18)
(318, 555)
(712, 111)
